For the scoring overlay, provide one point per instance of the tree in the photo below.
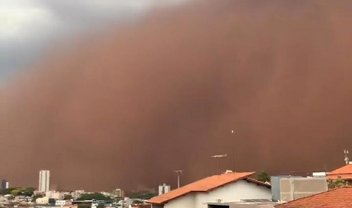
(263, 177)
(68, 197)
(337, 183)
(21, 191)
(142, 195)
(95, 196)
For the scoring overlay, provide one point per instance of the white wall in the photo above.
(60, 202)
(232, 192)
(186, 201)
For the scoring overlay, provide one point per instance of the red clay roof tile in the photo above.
(202, 185)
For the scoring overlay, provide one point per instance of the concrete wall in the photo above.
(275, 188)
(291, 188)
(233, 192)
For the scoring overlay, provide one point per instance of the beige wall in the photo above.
(187, 201)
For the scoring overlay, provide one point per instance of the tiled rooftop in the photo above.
(202, 185)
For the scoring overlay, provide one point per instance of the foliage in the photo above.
(68, 197)
(96, 196)
(19, 191)
(337, 183)
(263, 177)
(142, 195)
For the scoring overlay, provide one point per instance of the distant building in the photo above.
(42, 200)
(336, 198)
(118, 193)
(163, 189)
(44, 181)
(287, 188)
(344, 173)
(4, 185)
(224, 188)
(61, 203)
(55, 195)
(77, 193)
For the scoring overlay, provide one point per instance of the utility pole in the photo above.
(178, 173)
(234, 154)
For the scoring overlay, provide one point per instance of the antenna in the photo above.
(347, 160)
(234, 153)
(179, 173)
(218, 157)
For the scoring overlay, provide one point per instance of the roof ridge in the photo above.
(345, 166)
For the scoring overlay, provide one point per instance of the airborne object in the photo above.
(219, 156)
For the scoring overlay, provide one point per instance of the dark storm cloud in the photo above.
(127, 108)
(29, 28)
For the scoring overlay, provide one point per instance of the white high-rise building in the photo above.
(44, 180)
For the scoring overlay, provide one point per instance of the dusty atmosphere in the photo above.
(127, 107)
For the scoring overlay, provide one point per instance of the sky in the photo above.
(127, 107)
(28, 28)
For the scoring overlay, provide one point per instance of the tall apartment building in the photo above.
(118, 193)
(4, 184)
(44, 180)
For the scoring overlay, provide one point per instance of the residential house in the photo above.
(344, 173)
(227, 187)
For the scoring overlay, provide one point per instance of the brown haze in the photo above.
(126, 109)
